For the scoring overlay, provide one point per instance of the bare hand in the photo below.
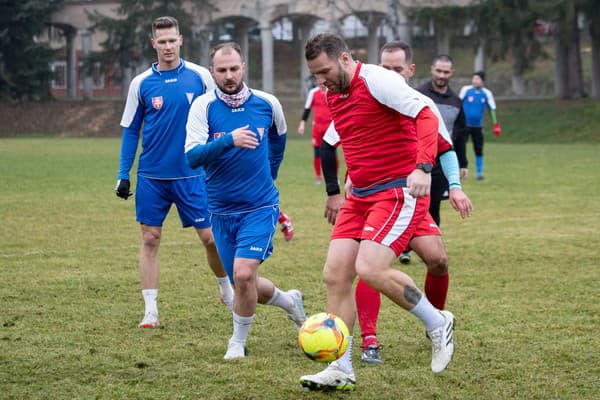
(301, 128)
(418, 183)
(332, 207)
(460, 202)
(245, 138)
(464, 173)
(347, 187)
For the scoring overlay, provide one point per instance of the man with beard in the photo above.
(389, 139)
(238, 135)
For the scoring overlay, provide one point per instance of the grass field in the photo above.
(524, 287)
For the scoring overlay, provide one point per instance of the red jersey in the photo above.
(385, 127)
(321, 115)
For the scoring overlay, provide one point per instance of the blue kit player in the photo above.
(476, 98)
(157, 105)
(238, 135)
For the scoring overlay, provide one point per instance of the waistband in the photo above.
(364, 192)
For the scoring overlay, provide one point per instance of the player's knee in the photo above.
(438, 264)
(151, 238)
(334, 275)
(206, 238)
(243, 277)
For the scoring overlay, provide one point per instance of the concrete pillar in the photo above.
(266, 37)
(71, 64)
(86, 45)
(479, 63)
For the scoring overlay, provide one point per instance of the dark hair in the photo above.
(480, 74)
(165, 22)
(226, 45)
(442, 58)
(396, 45)
(333, 45)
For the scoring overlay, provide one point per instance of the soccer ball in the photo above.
(323, 337)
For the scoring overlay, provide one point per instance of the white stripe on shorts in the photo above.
(404, 218)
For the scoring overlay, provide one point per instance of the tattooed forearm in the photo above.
(412, 295)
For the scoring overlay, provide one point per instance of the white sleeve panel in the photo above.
(133, 98)
(278, 116)
(463, 91)
(490, 98)
(310, 97)
(331, 135)
(204, 74)
(197, 123)
(390, 89)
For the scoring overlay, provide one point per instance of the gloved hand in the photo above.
(497, 129)
(122, 189)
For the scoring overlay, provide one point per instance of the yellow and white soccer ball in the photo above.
(323, 337)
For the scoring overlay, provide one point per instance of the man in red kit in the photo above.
(389, 138)
(427, 241)
(321, 120)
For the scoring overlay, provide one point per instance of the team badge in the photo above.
(470, 99)
(261, 132)
(190, 97)
(217, 135)
(157, 102)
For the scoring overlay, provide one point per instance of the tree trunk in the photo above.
(595, 41)
(575, 69)
(561, 69)
(518, 85)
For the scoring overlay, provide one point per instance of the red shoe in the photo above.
(286, 226)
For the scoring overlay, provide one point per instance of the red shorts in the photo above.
(390, 217)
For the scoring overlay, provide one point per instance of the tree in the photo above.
(508, 28)
(24, 63)
(127, 45)
(592, 12)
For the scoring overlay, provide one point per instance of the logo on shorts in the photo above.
(157, 102)
(369, 228)
(200, 219)
(254, 248)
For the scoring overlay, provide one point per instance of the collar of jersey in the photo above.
(176, 70)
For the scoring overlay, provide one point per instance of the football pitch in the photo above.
(524, 287)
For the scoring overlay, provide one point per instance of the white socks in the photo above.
(345, 362)
(226, 291)
(282, 300)
(241, 327)
(427, 313)
(150, 296)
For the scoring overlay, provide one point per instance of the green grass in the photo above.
(524, 284)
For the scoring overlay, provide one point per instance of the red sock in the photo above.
(368, 301)
(282, 217)
(436, 289)
(317, 166)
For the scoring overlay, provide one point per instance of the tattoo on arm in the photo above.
(412, 295)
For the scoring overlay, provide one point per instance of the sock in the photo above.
(283, 300)
(428, 314)
(226, 291)
(436, 289)
(241, 327)
(368, 302)
(317, 166)
(150, 296)
(479, 165)
(345, 361)
(282, 217)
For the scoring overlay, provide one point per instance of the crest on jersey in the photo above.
(217, 135)
(157, 102)
(470, 99)
(261, 132)
(190, 97)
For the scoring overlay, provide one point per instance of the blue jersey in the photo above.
(159, 101)
(474, 103)
(237, 179)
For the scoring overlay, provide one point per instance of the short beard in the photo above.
(237, 89)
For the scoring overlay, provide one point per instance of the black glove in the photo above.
(122, 189)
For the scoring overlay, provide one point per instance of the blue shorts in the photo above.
(244, 235)
(154, 197)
